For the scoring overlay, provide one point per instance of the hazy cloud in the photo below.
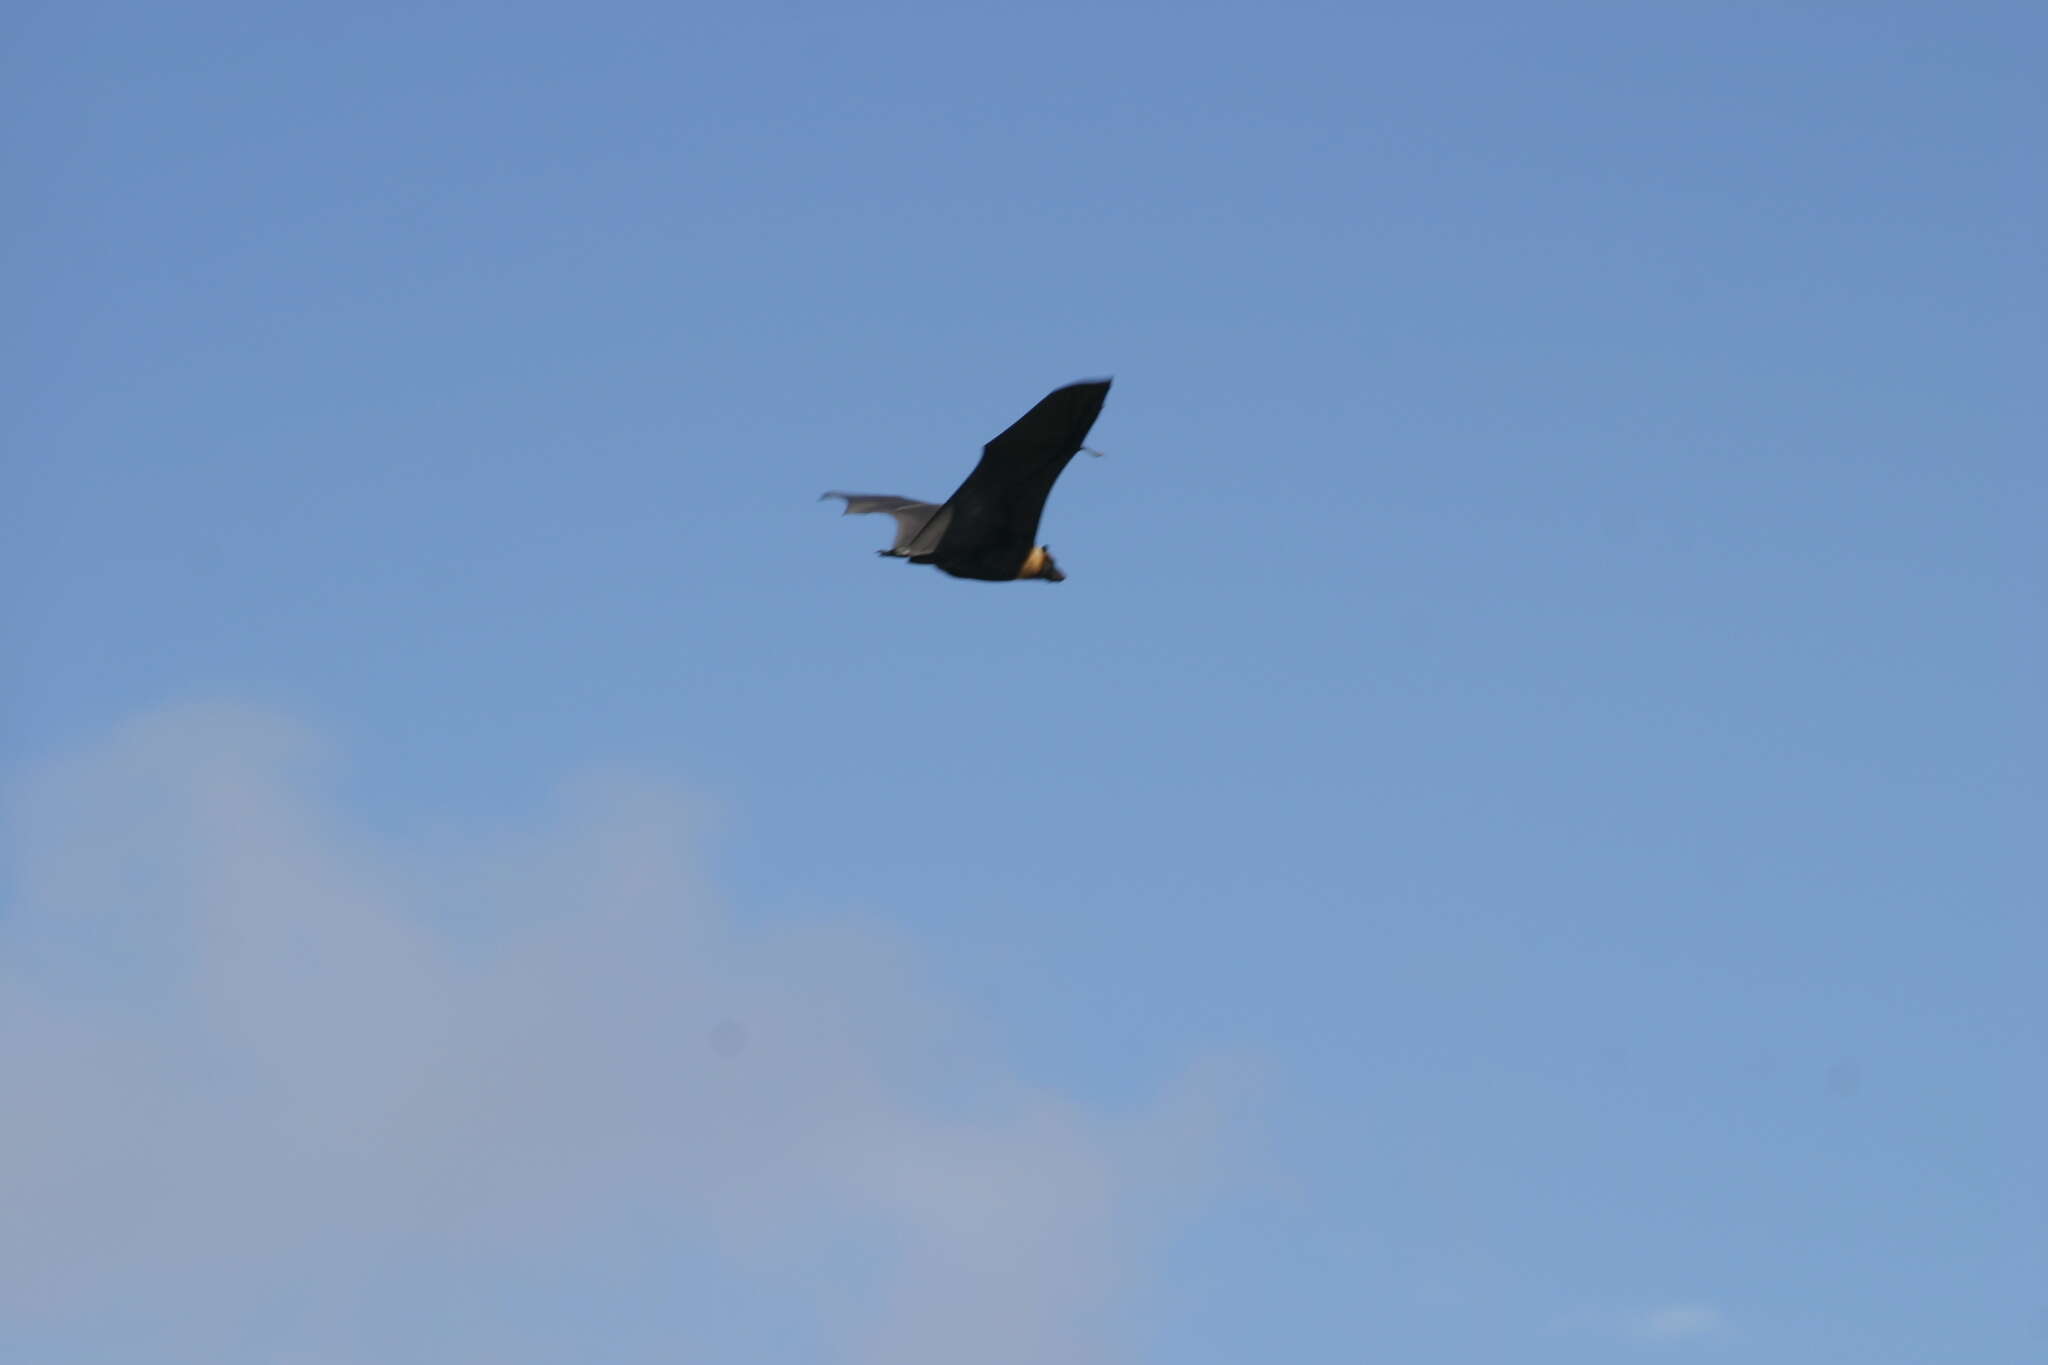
(253, 1055)
(1675, 1322)
(1658, 1325)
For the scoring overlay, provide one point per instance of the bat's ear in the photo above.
(1050, 571)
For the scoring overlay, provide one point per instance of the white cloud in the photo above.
(249, 1052)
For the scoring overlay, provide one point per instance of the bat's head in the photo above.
(1038, 564)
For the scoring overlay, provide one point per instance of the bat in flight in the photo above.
(988, 529)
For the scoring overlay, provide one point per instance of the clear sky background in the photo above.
(1512, 844)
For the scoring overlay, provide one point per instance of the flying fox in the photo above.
(988, 529)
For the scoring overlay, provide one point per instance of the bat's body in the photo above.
(989, 527)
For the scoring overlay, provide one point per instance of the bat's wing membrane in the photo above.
(918, 524)
(1002, 500)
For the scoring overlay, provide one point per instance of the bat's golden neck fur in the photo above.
(1034, 564)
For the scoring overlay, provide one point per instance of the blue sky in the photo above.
(1511, 844)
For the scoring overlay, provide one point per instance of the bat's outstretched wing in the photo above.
(996, 511)
(918, 524)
